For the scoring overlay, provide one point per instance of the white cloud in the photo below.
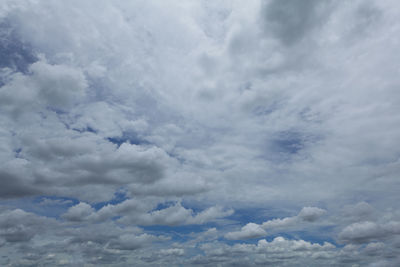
(307, 214)
(250, 230)
(279, 251)
(210, 214)
(142, 213)
(51, 86)
(253, 230)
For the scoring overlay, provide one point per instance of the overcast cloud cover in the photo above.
(199, 133)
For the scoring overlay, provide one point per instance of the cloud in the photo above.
(210, 214)
(359, 212)
(178, 215)
(131, 242)
(307, 214)
(58, 85)
(250, 230)
(79, 212)
(172, 252)
(366, 231)
(311, 214)
(14, 186)
(14, 54)
(134, 211)
(374, 248)
(47, 86)
(291, 21)
(20, 226)
(191, 110)
(253, 230)
(278, 251)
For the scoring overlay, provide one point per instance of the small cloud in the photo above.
(311, 214)
(79, 212)
(250, 230)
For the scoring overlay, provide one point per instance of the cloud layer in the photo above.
(183, 133)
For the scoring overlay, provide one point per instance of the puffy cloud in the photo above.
(79, 212)
(57, 85)
(279, 251)
(366, 231)
(253, 230)
(210, 214)
(311, 214)
(40, 240)
(47, 86)
(20, 226)
(14, 186)
(307, 214)
(250, 230)
(294, 245)
(144, 213)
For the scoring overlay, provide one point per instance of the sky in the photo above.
(199, 133)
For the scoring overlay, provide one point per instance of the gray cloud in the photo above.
(14, 54)
(362, 232)
(250, 230)
(253, 230)
(278, 252)
(134, 212)
(291, 21)
(20, 226)
(307, 214)
(311, 214)
(14, 186)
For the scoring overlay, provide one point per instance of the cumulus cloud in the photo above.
(250, 230)
(18, 226)
(253, 230)
(79, 212)
(366, 231)
(14, 229)
(47, 86)
(137, 212)
(279, 251)
(58, 85)
(131, 242)
(307, 214)
(311, 214)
